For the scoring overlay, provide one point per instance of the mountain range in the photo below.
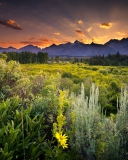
(77, 49)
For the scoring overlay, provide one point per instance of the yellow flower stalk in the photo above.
(60, 121)
(61, 99)
(58, 126)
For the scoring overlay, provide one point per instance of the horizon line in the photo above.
(63, 43)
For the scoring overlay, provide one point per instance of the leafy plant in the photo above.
(21, 137)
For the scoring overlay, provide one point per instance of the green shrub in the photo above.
(21, 136)
(9, 73)
(66, 75)
(94, 135)
(103, 71)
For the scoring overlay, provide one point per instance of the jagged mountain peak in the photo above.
(53, 45)
(30, 45)
(77, 42)
(93, 43)
(10, 47)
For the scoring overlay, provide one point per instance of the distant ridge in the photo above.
(77, 48)
(29, 48)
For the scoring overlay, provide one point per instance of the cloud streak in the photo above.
(106, 25)
(121, 33)
(89, 29)
(80, 33)
(80, 22)
(11, 24)
(57, 33)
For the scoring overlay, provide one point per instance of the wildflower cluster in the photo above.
(62, 139)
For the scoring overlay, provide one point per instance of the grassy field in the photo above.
(100, 74)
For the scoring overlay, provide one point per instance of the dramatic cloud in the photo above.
(80, 22)
(106, 25)
(10, 23)
(57, 33)
(79, 33)
(72, 18)
(89, 29)
(42, 42)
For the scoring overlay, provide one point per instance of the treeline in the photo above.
(41, 57)
(26, 57)
(111, 60)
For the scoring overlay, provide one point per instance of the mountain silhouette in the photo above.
(77, 49)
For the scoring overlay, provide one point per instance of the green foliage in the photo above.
(103, 72)
(25, 57)
(75, 74)
(9, 73)
(42, 57)
(66, 83)
(110, 60)
(21, 136)
(67, 75)
(57, 59)
(3, 56)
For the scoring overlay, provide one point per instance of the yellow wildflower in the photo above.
(62, 139)
(64, 145)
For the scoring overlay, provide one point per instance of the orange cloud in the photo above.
(106, 25)
(11, 24)
(7, 44)
(96, 39)
(80, 22)
(99, 39)
(65, 42)
(42, 42)
(57, 33)
(38, 43)
(85, 41)
(89, 29)
(80, 33)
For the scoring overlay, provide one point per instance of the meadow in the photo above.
(109, 79)
(63, 111)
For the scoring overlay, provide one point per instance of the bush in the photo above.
(66, 75)
(9, 73)
(21, 136)
(94, 135)
(103, 71)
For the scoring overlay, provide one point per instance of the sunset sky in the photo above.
(44, 22)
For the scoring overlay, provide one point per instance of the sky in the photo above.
(45, 22)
